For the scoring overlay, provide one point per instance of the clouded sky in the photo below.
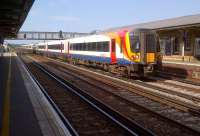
(89, 15)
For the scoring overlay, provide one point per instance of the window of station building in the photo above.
(187, 44)
(176, 46)
(166, 46)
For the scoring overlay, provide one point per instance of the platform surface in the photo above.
(22, 120)
(19, 115)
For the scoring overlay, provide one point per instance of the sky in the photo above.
(89, 15)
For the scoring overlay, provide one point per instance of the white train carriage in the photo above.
(95, 48)
(28, 48)
(41, 48)
(56, 48)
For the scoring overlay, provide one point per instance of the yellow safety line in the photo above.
(6, 108)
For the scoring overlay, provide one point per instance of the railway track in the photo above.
(161, 124)
(176, 99)
(83, 114)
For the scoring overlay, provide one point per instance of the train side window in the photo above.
(88, 46)
(94, 46)
(83, 46)
(101, 48)
(106, 47)
(62, 46)
(70, 46)
(80, 46)
(99, 44)
(76, 47)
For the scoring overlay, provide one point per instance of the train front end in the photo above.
(142, 49)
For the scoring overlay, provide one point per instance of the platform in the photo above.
(24, 111)
(190, 71)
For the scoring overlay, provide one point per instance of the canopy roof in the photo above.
(12, 15)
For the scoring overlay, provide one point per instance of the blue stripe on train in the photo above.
(92, 58)
(123, 61)
(101, 59)
(120, 61)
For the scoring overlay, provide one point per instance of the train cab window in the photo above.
(150, 43)
(134, 43)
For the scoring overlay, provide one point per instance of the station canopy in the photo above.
(12, 15)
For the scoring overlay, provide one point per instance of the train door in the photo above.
(68, 47)
(113, 51)
(61, 47)
(197, 47)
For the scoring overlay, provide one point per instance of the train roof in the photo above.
(178, 22)
(90, 38)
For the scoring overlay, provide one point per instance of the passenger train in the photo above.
(133, 53)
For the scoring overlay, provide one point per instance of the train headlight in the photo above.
(135, 57)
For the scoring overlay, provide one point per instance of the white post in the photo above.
(183, 48)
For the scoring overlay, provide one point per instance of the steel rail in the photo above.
(132, 127)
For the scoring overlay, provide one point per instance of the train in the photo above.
(130, 53)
